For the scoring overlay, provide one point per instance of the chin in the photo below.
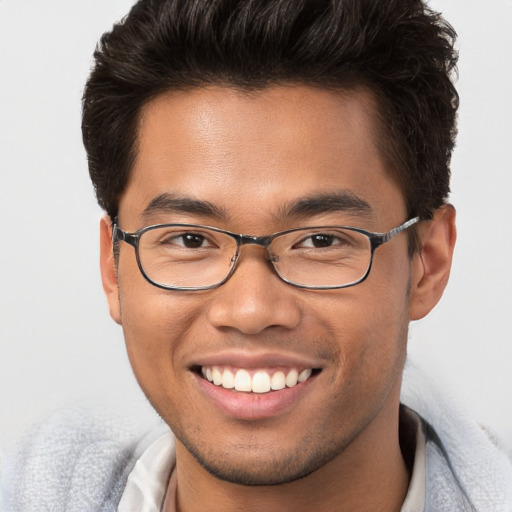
(267, 471)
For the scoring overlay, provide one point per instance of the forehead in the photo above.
(248, 152)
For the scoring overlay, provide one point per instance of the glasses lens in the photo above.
(186, 256)
(322, 257)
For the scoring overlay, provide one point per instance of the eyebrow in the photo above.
(167, 203)
(328, 202)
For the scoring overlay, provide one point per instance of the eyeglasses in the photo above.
(190, 257)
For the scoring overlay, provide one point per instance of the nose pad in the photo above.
(272, 258)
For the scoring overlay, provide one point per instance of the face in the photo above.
(251, 158)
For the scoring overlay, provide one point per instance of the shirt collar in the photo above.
(416, 494)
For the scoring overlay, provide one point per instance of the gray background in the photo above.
(58, 345)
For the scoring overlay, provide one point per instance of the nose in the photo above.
(254, 298)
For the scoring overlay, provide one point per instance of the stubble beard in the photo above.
(272, 470)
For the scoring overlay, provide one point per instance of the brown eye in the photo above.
(186, 240)
(321, 240)
(192, 240)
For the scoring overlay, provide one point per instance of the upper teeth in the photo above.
(258, 381)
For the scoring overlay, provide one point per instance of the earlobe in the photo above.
(431, 266)
(108, 269)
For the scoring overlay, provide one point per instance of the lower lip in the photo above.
(253, 406)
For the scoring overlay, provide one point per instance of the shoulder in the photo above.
(74, 461)
(466, 468)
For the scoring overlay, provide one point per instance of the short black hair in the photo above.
(400, 50)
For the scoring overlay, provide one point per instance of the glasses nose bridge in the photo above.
(262, 241)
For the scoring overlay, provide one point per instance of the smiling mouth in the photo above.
(260, 381)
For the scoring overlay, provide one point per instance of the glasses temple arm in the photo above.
(392, 232)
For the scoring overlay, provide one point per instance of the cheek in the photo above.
(371, 338)
(155, 334)
(369, 323)
(155, 324)
(149, 314)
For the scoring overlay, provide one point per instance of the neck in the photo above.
(370, 474)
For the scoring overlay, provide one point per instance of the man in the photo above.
(321, 131)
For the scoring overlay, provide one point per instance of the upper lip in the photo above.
(248, 360)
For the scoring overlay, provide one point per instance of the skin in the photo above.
(252, 156)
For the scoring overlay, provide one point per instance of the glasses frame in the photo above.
(376, 240)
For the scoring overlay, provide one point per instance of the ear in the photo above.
(108, 269)
(431, 266)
